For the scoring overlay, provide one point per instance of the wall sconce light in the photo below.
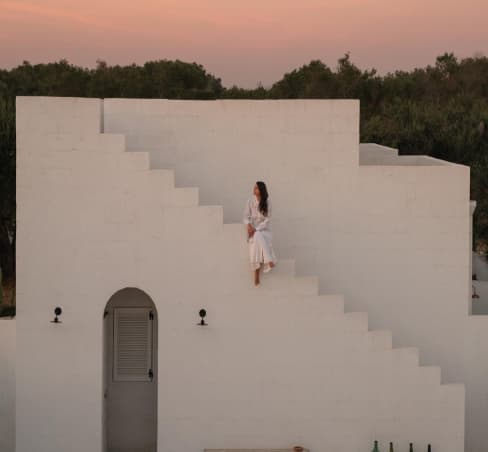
(202, 313)
(57, 312)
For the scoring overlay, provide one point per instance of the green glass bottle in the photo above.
(411, 448)
(375, 448)
(391, 447)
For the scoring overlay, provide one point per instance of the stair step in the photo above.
(418, 376)
(409, 355)
(76, 160)
(306, 285)
(155, 189)
(284, 283)
(329, 304)
(430, 374)
(95, 142)
(185, 196)
(134, 161)
(356, 321)
(395, 359)
(314, 310)
(190, 223)
(105, 167)
(149, 182)
(174, 197)
(160, 178)
(284, 267)
(321, 317)
(380, 340)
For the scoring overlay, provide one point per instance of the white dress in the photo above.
(260, 244)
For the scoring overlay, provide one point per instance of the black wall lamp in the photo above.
(202, 313)
(57, 312)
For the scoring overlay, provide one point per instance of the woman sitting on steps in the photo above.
(257, 215)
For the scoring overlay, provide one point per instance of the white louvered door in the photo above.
(131, 392)
(133, 347)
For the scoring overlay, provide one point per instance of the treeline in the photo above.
(440, 110)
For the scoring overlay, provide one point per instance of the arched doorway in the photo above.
(130, 336)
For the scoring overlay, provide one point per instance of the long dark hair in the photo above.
(263, 202)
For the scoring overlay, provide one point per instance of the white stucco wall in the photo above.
(475, 353)
(277, 365)
(7, 385)
(390, 233)
(54, 410)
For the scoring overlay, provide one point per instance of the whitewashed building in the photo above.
(129, 219)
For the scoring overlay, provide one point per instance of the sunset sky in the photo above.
(243, 41)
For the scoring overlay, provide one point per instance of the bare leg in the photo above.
(256, 277)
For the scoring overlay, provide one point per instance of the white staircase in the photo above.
(316, 368)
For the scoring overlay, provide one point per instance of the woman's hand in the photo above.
(250, 230)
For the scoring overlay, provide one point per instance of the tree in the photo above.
(439, 110)
(7, 199)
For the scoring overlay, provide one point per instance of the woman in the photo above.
(257, 215)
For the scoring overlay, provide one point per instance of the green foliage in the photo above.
(439, 110)
(155, 79)
(7, 196)
(7, 311)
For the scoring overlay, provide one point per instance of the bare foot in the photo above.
(271, 264)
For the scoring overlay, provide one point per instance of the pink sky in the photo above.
(242, 41)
